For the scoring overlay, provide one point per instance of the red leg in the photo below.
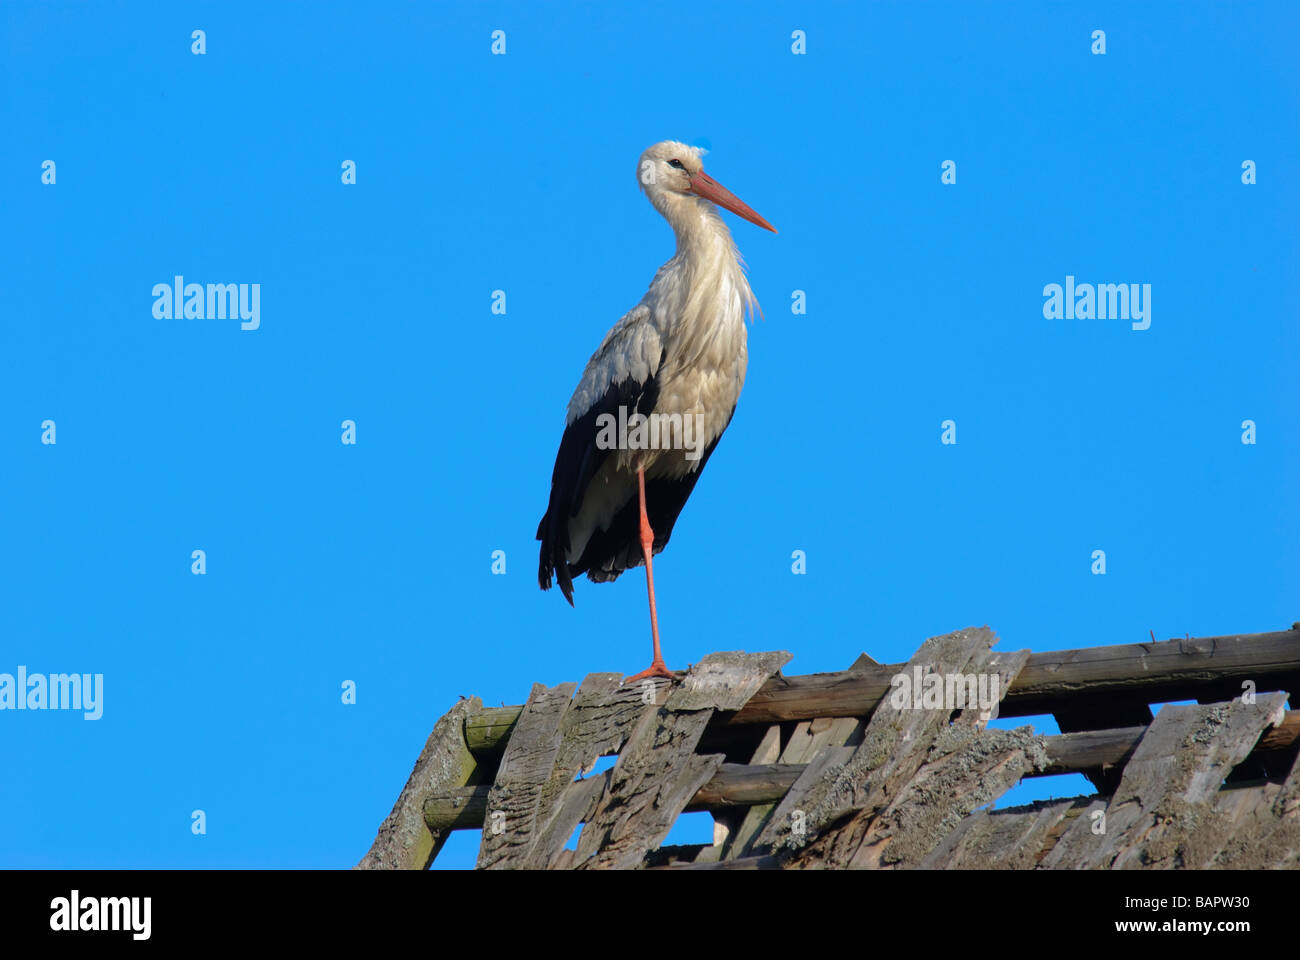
(658, 668)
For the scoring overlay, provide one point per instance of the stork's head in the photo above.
(672, 173)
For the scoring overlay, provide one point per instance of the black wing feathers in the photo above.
(610, 552)
(575, 464)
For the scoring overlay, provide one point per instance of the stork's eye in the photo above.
(676, 163)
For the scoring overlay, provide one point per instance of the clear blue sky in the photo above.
(372, 563)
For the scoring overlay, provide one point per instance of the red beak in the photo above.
(705, 186)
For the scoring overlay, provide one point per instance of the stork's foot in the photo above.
(656, 669)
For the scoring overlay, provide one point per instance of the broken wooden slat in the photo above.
(1252, 826)
(522, 777)
(1168, 786)
(1089, 810)
(726, 681)
(1210, 741)
(965, 769)
(788, 824)
(1241, 831)
(806, 742)
(1010, 839)
(964, 766)
(556, 737)
(637, 811)
(1262, 829)
(658, 771)
(598, 722)
(404, 842)
(595, 723)
(575, 805)
(894, 745)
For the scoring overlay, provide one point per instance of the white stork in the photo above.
(620, 479)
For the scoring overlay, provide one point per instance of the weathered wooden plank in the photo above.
(555, 738)
(964, 766)
(1089, 810)
(640, 808)
(806, 741)
(726, 681)
(1001, 669)
(576, 804)
(1243, 832)
(788, 826)
(522, 778)
(965, 769)
(744, 785)
(1171, 670)
(1257, 827)
(1169, 786)
(894, 745)
(598, 722)
(1010, 839)
(769, 748)
(657, 772)
(1101, 750)
(1106, 749)
(404, 842)
(1179, 792)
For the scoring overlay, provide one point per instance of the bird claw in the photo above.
(656, 669)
